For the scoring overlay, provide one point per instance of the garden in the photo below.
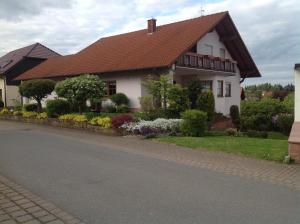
(170, 113)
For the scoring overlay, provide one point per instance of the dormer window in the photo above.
(208, 49)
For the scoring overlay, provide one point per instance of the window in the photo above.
(110, 88)
(208, 49)
(228, 89)
(222, 53)
(206, 85)
(220, 88)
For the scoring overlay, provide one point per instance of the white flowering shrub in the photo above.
(158, 126)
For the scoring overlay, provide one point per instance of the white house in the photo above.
(207, 48)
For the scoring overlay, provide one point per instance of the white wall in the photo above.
(12, 95)
(212, 39)
(297, 95)
(2, 88)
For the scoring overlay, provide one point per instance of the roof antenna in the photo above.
(202, 8)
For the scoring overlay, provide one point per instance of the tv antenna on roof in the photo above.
(202, 7)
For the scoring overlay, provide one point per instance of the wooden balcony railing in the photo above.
(193, 60)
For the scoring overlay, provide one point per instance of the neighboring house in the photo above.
(294, 139)
(17, 62)
(207, 48)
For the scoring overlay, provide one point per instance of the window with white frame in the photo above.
(227, 89)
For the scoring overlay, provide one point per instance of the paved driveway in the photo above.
(102, 179)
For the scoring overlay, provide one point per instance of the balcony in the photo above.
(198, 61)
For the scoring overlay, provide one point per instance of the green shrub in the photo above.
(231, 131)
(91, 115)
(32, 107)
(42, 115)
(285, 123)
(122, 109)
(4, 111)
(111, 109)
(258, 115)
(18, 113)
(29, 114)
(120, 99)
(1, 103)
(178, 100)
(57, 107)
(104, 122)
(257, 134)
(206, 103)
(146, 103)
(194, 90)
(194, 122)
(289, 102)
(37, 89)
(235, 115)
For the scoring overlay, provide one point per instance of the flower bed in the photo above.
(73, 121)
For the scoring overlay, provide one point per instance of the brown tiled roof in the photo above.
(36, 50)
(130, 51)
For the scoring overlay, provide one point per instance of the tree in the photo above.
(159, 90)
(206, 103)
(37, 89)
(194, 89)
(178, 100)
(78, 90)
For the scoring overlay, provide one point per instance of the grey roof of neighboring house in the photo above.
(36, 50)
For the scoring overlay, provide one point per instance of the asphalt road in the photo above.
(92, 178)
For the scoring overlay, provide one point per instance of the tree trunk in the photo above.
(39, 106)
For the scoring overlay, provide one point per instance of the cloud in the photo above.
(13, 10)
(269, 27)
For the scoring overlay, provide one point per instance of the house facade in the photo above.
(207, 48)
(15, 63)
(294, 139)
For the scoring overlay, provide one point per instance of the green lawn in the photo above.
(269, 149)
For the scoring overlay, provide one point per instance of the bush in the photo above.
(120, 99)
(257, 134)
(42, 115)
(118, 121)
(285, 123)
(122, 109)
(194, 122)
(80, 119)
(37, 89)
(57, 107)
(32, 107)
(111, 109)
(158, 126)
(67, 117)
(178, 100)
(4, 111)
(235, 115)
(18, 113)
(91, 115)
(104, 122)
(258, 115)
(231, 131)
(194, 90)
(79, 89)
(206, 103)
(146, 103)
(1, 103)
(29, 114)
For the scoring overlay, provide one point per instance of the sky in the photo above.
(269, 28)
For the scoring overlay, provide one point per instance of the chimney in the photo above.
(151, 25)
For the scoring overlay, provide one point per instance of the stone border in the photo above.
(61, 124)
(18, 205)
